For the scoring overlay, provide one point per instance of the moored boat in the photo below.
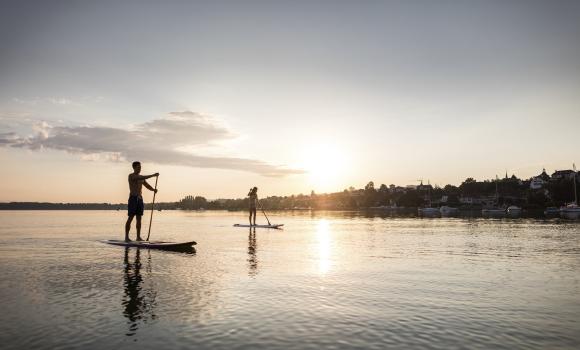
(385, 207)
(447, 211)
(571, 210)
(429, 212)
(495, 210)
(514, 210)
(551, 211)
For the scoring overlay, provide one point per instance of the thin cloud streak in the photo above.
(58, 101)
(157, 141)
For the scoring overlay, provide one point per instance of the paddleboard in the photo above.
(153, 244)
(260, 226)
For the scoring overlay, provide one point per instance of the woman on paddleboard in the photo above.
(253, 194)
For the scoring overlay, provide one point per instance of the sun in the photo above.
(325, 165)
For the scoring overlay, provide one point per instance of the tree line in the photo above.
(510, 191)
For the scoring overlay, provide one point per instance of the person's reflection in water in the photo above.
(138, 303)
(252, 250)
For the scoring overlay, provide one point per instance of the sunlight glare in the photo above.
(325, 165)
(324, 241)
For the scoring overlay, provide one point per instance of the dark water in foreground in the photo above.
(328, 280)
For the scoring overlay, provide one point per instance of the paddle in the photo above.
(261, 207)
(152, 205)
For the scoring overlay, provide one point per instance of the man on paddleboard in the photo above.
(135, 206)
(253, 194)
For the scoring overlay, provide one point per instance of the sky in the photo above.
(288, 96)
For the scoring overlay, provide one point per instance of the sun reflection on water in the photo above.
(323, 235)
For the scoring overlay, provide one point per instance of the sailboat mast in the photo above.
(575, 195)
(429, 189)
(496, 191)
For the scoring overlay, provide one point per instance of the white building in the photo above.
(536, 183)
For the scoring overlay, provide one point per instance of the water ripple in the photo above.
(324, 282)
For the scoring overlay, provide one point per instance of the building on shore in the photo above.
(536, 183)
(562, 174)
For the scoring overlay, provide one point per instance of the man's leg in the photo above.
(254, 212)
(139, 228)
(128, 227)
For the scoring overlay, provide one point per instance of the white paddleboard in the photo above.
(152, 244)
(260, 226)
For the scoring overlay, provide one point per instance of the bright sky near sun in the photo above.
(288, 96)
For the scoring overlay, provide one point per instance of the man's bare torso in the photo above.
(135, 184)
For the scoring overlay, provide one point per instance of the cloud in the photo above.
(62, 101)
(7, 138)
(58, 100)
(158, 141)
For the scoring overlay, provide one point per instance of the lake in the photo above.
(327, 280)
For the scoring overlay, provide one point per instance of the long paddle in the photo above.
(152, 206)
(261, 207)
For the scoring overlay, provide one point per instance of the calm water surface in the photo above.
(327, 280)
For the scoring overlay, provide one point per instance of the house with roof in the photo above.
(537, 182)
(544, 175)
(562, 174)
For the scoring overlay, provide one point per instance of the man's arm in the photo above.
(143, 177)
(149, 187)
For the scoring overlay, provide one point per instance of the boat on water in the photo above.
(428, 211)
(571, 210)
(386, 207)
(514, 210)
(495, 210)
(552, 211)
(447, 211)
